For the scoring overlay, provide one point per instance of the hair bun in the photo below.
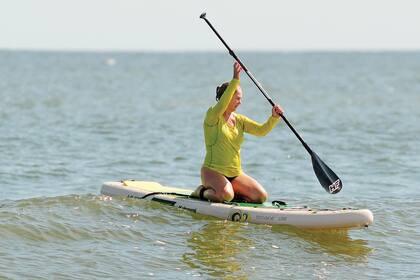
(220, 90)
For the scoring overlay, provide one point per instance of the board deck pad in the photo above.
(156, 187)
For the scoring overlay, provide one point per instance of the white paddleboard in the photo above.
(267, 213)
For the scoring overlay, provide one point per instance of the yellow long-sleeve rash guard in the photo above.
(223, 142)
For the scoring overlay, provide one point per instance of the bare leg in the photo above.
(220, 189)
(249, 189)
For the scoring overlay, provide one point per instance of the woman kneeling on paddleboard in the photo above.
(221, 174)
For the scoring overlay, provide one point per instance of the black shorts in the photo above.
(231, 178)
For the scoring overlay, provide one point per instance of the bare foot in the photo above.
(197, 191)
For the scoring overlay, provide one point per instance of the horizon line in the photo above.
(180, 51)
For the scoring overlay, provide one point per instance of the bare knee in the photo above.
(219, 188)
(218, 194)
(228, 195)
(224, 195)
(262, 197)
(259, 196)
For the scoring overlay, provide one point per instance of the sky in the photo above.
(174, 25)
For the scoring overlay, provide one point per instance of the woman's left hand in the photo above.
(276, 111)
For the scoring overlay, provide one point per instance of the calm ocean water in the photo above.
(70, 121)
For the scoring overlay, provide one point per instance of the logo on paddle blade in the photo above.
(335, 187)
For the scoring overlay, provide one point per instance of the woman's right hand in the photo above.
(277, 111)
(236, 70)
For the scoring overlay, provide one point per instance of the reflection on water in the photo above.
(226, 250)
(217, 248)
(334, 242)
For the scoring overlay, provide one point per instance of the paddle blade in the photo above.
(326, 177)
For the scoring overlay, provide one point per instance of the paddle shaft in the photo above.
(328, 179)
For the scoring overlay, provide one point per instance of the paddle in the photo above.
(326, 177)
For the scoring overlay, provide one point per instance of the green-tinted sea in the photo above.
(70, 121)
